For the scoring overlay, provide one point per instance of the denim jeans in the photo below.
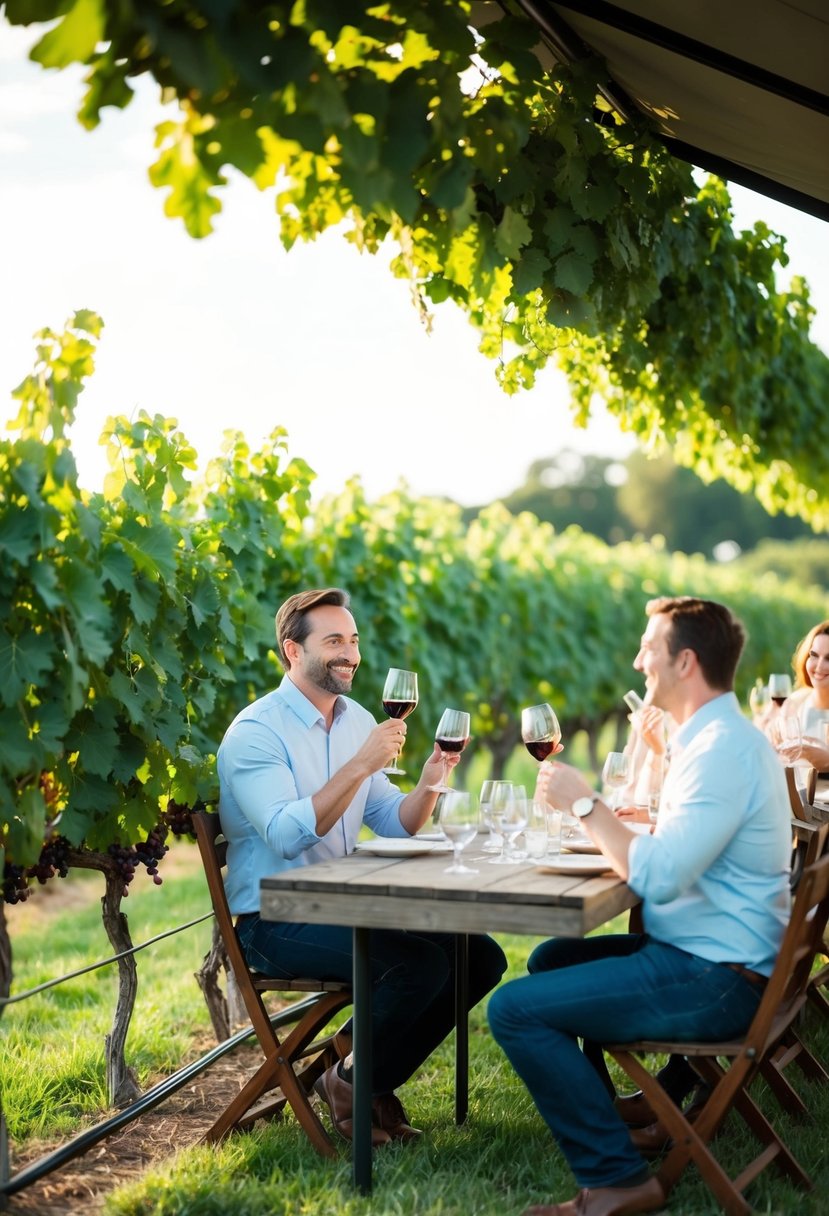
(413, 982)
(608, 989)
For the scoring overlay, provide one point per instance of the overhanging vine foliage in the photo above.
(566, 234)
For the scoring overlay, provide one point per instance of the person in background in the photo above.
(299, 775)
(810, 700)
(647, 747)
(714, 884)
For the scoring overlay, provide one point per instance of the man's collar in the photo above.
(718, 707)
(304, 709)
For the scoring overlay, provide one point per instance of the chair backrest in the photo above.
(786, 990)
(796, 801)
(213, 849)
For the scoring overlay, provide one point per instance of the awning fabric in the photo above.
(738, 87)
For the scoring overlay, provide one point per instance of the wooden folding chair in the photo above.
(291, 1064)
(729, 1067)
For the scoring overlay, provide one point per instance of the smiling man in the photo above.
(299, 774)
(714, 884)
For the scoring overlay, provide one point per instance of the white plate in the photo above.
(579, 844)
(403, 846)
(576, 863)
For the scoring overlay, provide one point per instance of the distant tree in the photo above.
(641, 496)
(806, 561)
(660, 498)
(570, 488)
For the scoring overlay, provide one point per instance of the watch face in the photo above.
(582, 807)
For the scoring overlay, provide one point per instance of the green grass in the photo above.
(52, 1064)
(502, 1160)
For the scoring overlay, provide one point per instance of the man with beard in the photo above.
(714, 883)
(299, 774)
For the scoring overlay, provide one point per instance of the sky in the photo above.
(232, 332)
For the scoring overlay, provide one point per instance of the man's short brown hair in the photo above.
(709, 629)
(292, 622)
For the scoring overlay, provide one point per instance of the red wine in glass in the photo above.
(780, 686)
(540, 730)
(450, 745)
(539, 749)
(451, 736)
(399, 699)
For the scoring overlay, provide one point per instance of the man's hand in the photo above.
(382, 745)
(433, 768)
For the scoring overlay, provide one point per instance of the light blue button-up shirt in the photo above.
(275, 756)
(714, 877)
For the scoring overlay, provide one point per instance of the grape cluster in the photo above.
(15, 886)
(178, 818)
(148, 853)
(54, 859)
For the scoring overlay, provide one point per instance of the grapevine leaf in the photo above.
(19, 534)
(574, 273)
(24, 661)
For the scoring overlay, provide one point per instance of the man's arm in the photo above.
(418, 805)
(379, 749)
(560, 785)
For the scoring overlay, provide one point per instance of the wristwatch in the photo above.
(583, 806)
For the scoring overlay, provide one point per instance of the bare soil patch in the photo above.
(178, 1122)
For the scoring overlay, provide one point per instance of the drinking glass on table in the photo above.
(509, 814)
(540, 730)
(459, 821)
(452, 735)
(493, 843)
(615, 774)
(655, 778)
(399, 699)
(780, 687)
(536, 833)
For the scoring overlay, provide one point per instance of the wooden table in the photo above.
(415, 893)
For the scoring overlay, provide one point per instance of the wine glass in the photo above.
(633, 701)
(452, 735)
(493, 841)
(540, 730)
(509, 814)
(459, 821)
(399, 699)
(780, 687)
(787, 737)
(615, 774)
(758, 699)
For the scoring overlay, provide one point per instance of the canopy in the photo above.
(738, 87)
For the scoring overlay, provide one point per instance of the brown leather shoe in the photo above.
(389, 1114)
(635, 1109)
(607, 1201)
(338, 1095)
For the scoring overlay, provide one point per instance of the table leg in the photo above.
(361, 1046)
(461, 1027)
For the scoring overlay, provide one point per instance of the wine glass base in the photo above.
(505, 861)
(440, 789)
(460, 869)
(394, 771)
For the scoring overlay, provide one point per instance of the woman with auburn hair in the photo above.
(810, 700)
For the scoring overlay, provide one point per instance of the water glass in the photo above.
(553, 832)
(494, 842)
(536, 832)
